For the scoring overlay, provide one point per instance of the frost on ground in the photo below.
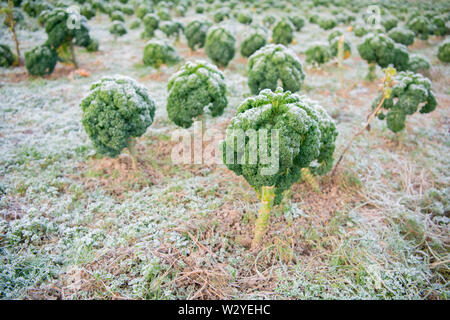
(73, 225)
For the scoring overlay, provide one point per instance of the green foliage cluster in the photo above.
(389, 22)
(127, 9)
(401, 57)
(93, 46)
(117, 16)
(318, 53)
(88, 11)
(220, 45)
(116, 109)
(196, 86)
(151, 23)
(333, 41)
(440, 25)
(418, 63)
(244, 18)
(143, 9)
(255, 40)
(409, 91)
(135, 24)
(199, 8)
(274, 64)
(195, 33)
(60, 32)
(164, 14)
(268, 21)
(326, 22)
(307, 136)
(334, 34)
(180, 10)
(314, 18)
(402, 35)
(118, 28)
(17, 18)
(380, 49)
(171, 28)
(444, 51)
(221, 15)
(283, 32)
(298, 22)
(359, 29)
(7, 58)
(42, 18)
(157, 52)
(41, 60)
(421, 26)
(34, 7)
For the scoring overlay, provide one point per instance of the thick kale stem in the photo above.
(12, 24)
(72, 53)
(389, 72)
(340, 57)
(371, 75)
(361, 130)
(267, 198)
(133, 151)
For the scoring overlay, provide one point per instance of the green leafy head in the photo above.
(196, 86)
(116, 108)
(273, 66)
(274, 135)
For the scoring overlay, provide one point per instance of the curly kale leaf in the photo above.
(194, 87)
(274, 64)
(402, 35)
(117, 28)
(41, 60)
(116, 108)
(380, 49)
(244, 18)
(171, 28)
(418, 63)
(158, 52)
(421, 26)
(326, 22)
(151, 23)
(6, 56)
(306, 134)
(283, 32)
(298, 22)
(60, 31)
(410, 91)
(334, 47)
(254, 41)
(318, 53)
(444, 51)
(220, 45)
(195, 33)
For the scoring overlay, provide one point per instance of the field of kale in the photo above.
(94, 205)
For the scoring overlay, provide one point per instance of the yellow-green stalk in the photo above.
(340, 57)
(133, 151)
(267, 197)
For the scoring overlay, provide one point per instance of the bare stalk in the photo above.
(340, 58)
(133, 151)
(72, 53)
(12, 24)
(267, 198)
(387, 83)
